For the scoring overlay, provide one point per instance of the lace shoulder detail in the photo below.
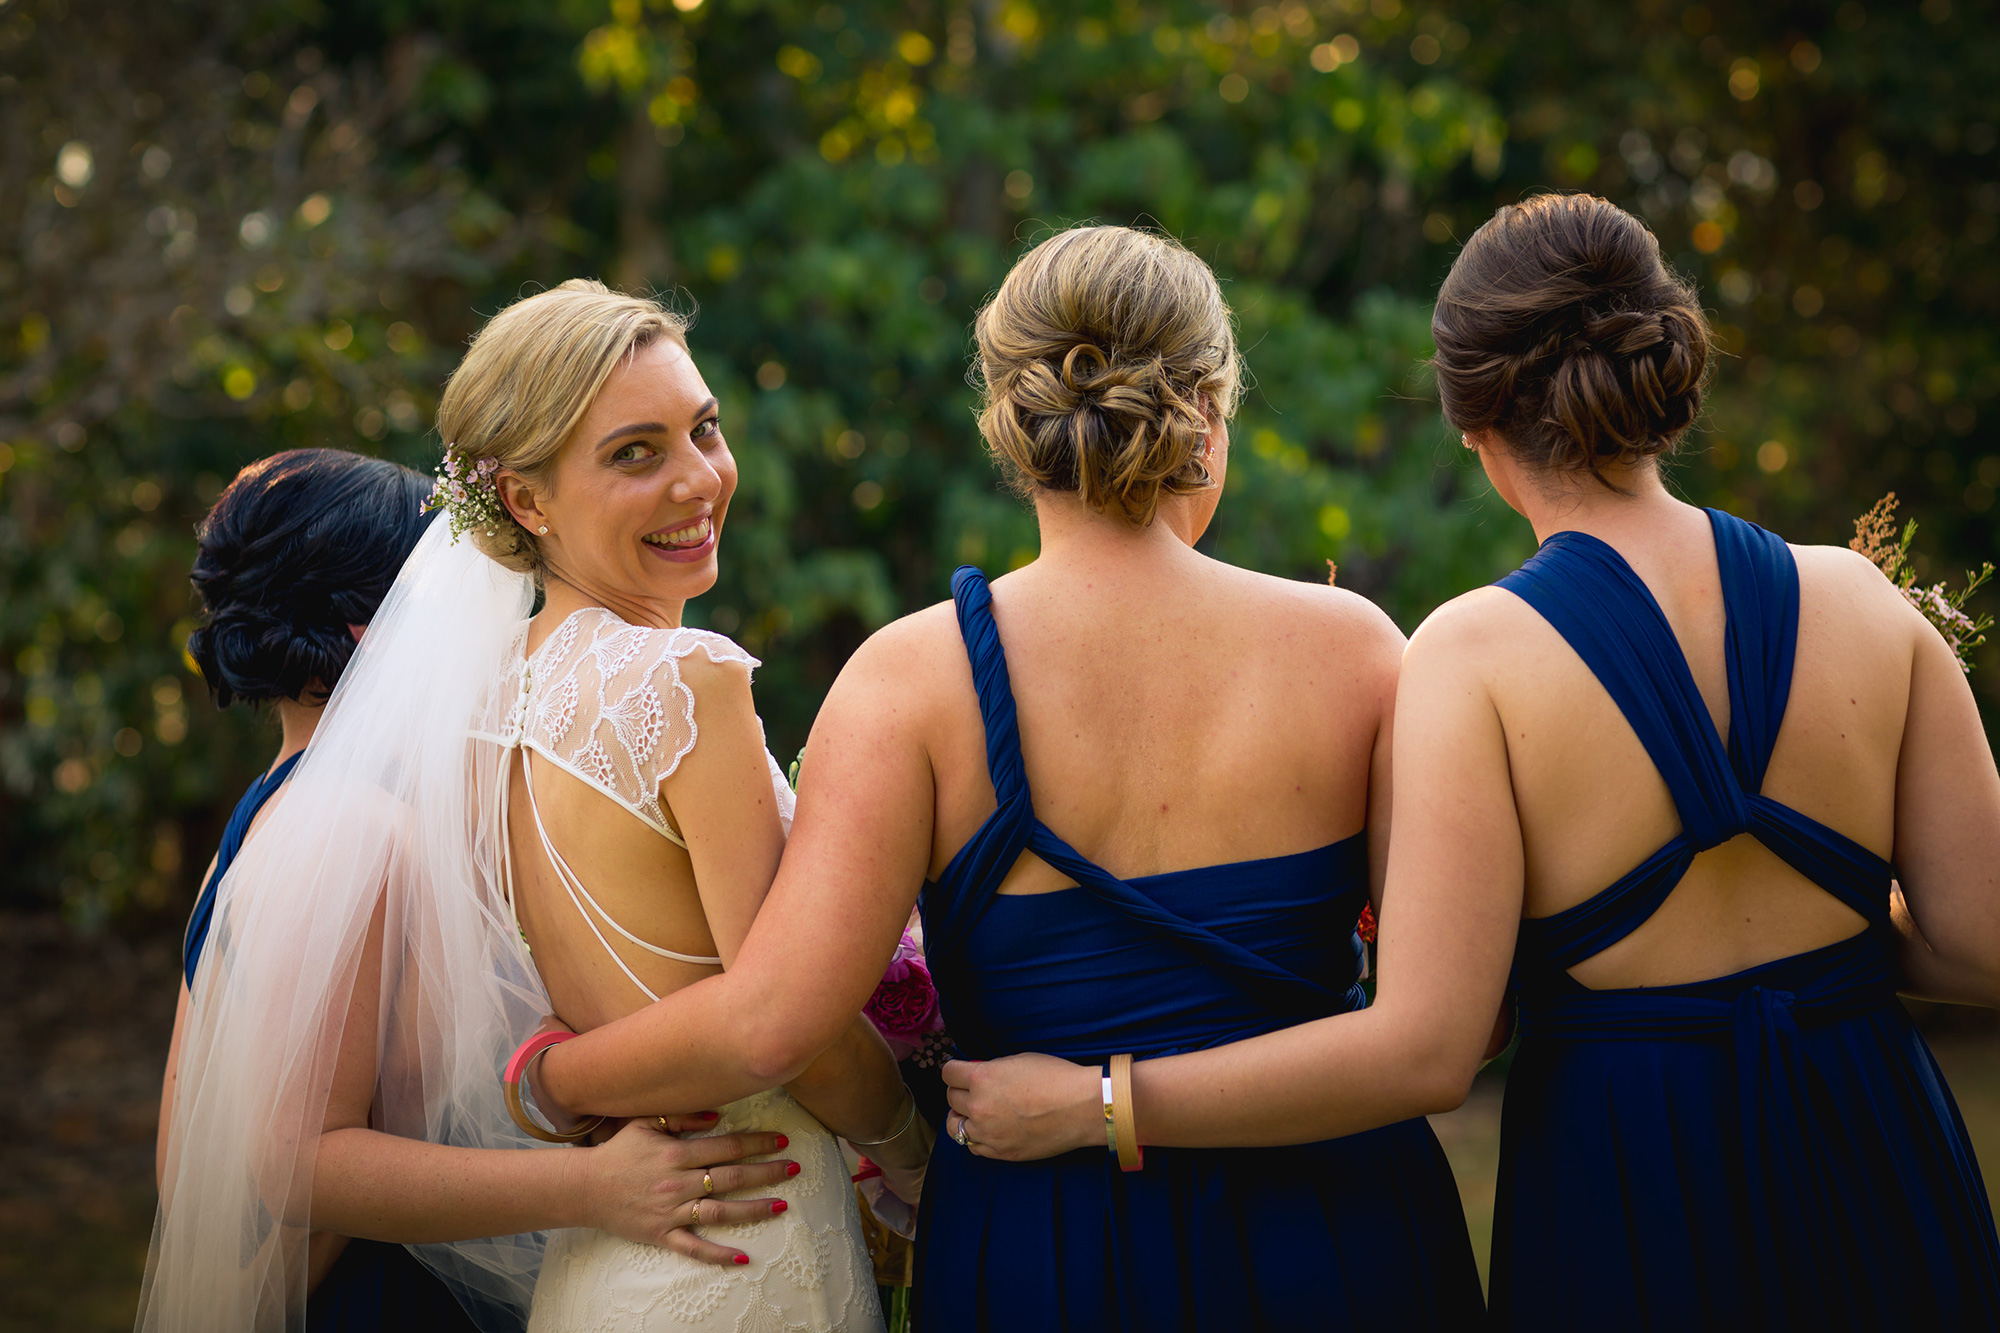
(608, 702)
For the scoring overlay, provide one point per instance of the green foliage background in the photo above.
(235, 228)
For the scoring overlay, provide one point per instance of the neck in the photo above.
(1073, 534)
(1573, 503)
(562, 598)
(299, 722)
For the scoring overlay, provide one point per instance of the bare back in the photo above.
(1592, 805)
(644, 816)
(1174, 713)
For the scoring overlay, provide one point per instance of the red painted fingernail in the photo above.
(791, 1168)
(779, 1205)
(783, 1143)
(710, 1115)
(742, 1258)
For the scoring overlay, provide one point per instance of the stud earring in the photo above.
(543, 530)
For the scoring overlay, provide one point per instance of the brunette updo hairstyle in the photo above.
(1560, 329)
(297, 548)
(530, 376)
(1102, 360)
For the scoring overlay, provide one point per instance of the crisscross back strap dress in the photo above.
(1360, 1232)
(1772, 1149)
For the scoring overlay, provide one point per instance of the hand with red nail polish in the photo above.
(655, 1188)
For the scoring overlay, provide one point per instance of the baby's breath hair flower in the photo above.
(467, 493)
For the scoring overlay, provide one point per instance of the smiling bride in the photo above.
(503, 815)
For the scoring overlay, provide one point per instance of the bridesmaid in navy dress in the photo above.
(291, 564)
(1719, 1115)
(1667, 775)
(1139, 790)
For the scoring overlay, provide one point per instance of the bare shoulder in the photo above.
(913, 660)
(1842, 568)
(1339, 620)
(1472, 627)
(1848, 584)
(908, 641)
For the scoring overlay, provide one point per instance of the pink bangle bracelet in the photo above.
(517, 1070)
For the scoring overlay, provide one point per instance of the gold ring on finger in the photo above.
(661, 1121)
(694, 1213)
(707, 1183)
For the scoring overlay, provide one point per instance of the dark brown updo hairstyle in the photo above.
(1560, 329)
(1101, 360)
(299, 547)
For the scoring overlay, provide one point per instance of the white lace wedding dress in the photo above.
(606, 702)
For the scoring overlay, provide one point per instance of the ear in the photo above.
(1215, 445)
(518, 498)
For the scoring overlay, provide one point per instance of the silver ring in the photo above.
(959, 1135)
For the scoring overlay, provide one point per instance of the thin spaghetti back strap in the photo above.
(579, 895)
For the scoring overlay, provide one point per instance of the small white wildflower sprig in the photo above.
(1875, 537)
(467, 493)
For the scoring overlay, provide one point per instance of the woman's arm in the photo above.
(722, 800)
(639, 1185)
(1947, 851)
(1451, 909)
(859, 848)
(1381, 771)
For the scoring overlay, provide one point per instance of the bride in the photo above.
(419, 899)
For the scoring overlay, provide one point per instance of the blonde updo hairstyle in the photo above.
(530, 376)
(1103, 360)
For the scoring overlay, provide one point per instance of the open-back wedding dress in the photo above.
(606, 702)
(391, 834)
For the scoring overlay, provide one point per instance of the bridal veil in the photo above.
(387, 819)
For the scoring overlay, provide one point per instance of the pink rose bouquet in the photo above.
(904, 1007)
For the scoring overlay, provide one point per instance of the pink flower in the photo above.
(904, 1007)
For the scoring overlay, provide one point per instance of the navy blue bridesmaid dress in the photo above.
(1360, 1232)
(372, 1285)
(1774, 1149)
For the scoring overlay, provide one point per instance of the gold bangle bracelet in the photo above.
(1130, 1156)
(519, 1113)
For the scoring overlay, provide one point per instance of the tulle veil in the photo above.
(388, 818)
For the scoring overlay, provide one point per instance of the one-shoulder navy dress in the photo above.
(1359, 1232)
(372, 1285)
(1774, 1149)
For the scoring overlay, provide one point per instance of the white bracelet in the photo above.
(1110, 1122)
